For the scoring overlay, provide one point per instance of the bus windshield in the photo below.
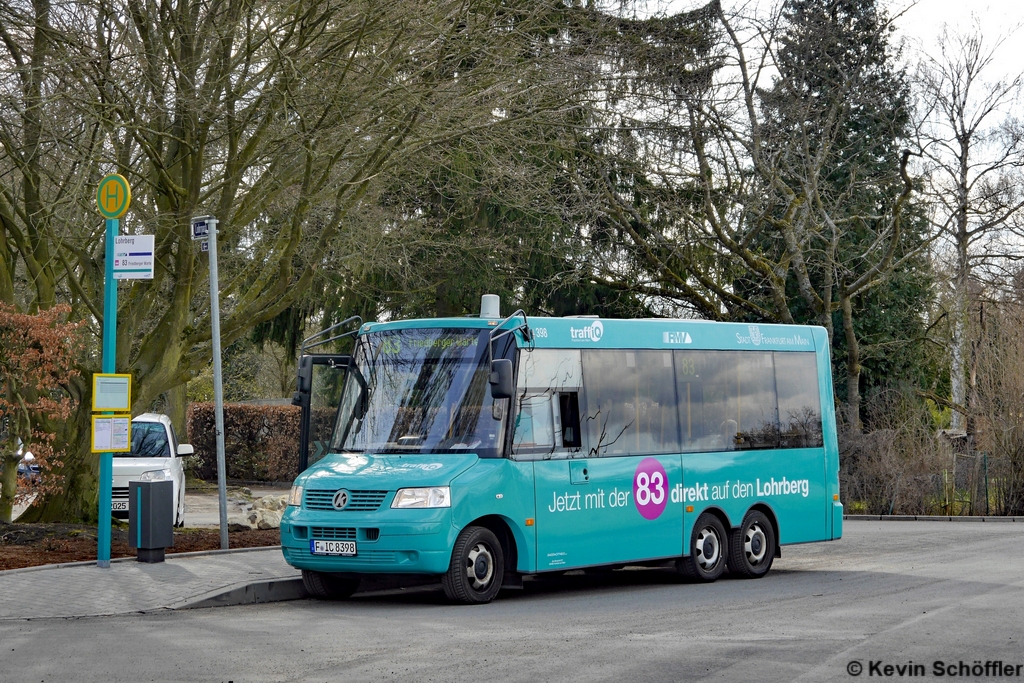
(420, 391)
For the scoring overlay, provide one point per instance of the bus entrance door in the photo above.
(318, 392)
(587, 513)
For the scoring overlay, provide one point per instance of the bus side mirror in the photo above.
(501, 379)
(303, 381)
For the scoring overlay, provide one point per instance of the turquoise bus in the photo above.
(483, 450)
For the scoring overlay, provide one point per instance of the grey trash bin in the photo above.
(150, 518)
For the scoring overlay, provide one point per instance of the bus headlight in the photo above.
(156, 475)
(433, 497)
(295, 497)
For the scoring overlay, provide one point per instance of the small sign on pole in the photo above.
(111, 434)
(133, 257)
(111, 392)
(204, 246)
(201, 227)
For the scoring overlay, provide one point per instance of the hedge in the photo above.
(261, 443)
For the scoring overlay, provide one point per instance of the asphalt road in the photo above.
(888, 594)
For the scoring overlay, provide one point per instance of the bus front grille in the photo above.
(330, 533)
(358, 501)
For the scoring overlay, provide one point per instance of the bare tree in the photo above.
(973, 149)
(276, 118)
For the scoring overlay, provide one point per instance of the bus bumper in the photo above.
(411, 546)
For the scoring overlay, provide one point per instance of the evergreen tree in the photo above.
(838, 115)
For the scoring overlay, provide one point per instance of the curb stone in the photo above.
(248, 593)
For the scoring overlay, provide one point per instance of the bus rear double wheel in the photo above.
(752, 546)
(708, 550)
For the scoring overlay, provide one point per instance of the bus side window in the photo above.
(796, 378)
(727, 400)
(546, 409)
(569, 413)
(533, 423)
(629, 400)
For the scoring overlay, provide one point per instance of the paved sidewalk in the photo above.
(182, 581)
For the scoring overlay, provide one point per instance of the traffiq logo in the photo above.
(593, 332)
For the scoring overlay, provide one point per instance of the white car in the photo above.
(155, 456)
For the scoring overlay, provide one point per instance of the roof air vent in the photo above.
(490, 306)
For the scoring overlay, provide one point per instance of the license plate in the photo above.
(119, 505)
(332, 547)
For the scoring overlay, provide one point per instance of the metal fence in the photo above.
(978, 483)
(964, 488)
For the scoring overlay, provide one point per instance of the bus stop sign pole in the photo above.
(112, 197)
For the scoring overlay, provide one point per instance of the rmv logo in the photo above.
(676, 338)
(594, 332)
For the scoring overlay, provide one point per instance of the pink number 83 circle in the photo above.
(650, 488)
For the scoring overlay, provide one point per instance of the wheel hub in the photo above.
(754, 544)
(708, 548)
(480, 566)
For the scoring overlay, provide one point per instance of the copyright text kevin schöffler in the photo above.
(946, 669)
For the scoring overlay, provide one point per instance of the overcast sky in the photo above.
(922, 22)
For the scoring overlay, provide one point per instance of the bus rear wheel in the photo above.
(328, 587)
(752, 546)
(477, 567)
(708, 550)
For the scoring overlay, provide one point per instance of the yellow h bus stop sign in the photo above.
(113, 196)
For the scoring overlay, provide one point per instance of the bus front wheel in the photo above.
(708, 550)
(477, 567)
(752, 546)
(327, 587)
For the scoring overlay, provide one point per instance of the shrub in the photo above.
(261, 443)
(37, 360)
(894, 469)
